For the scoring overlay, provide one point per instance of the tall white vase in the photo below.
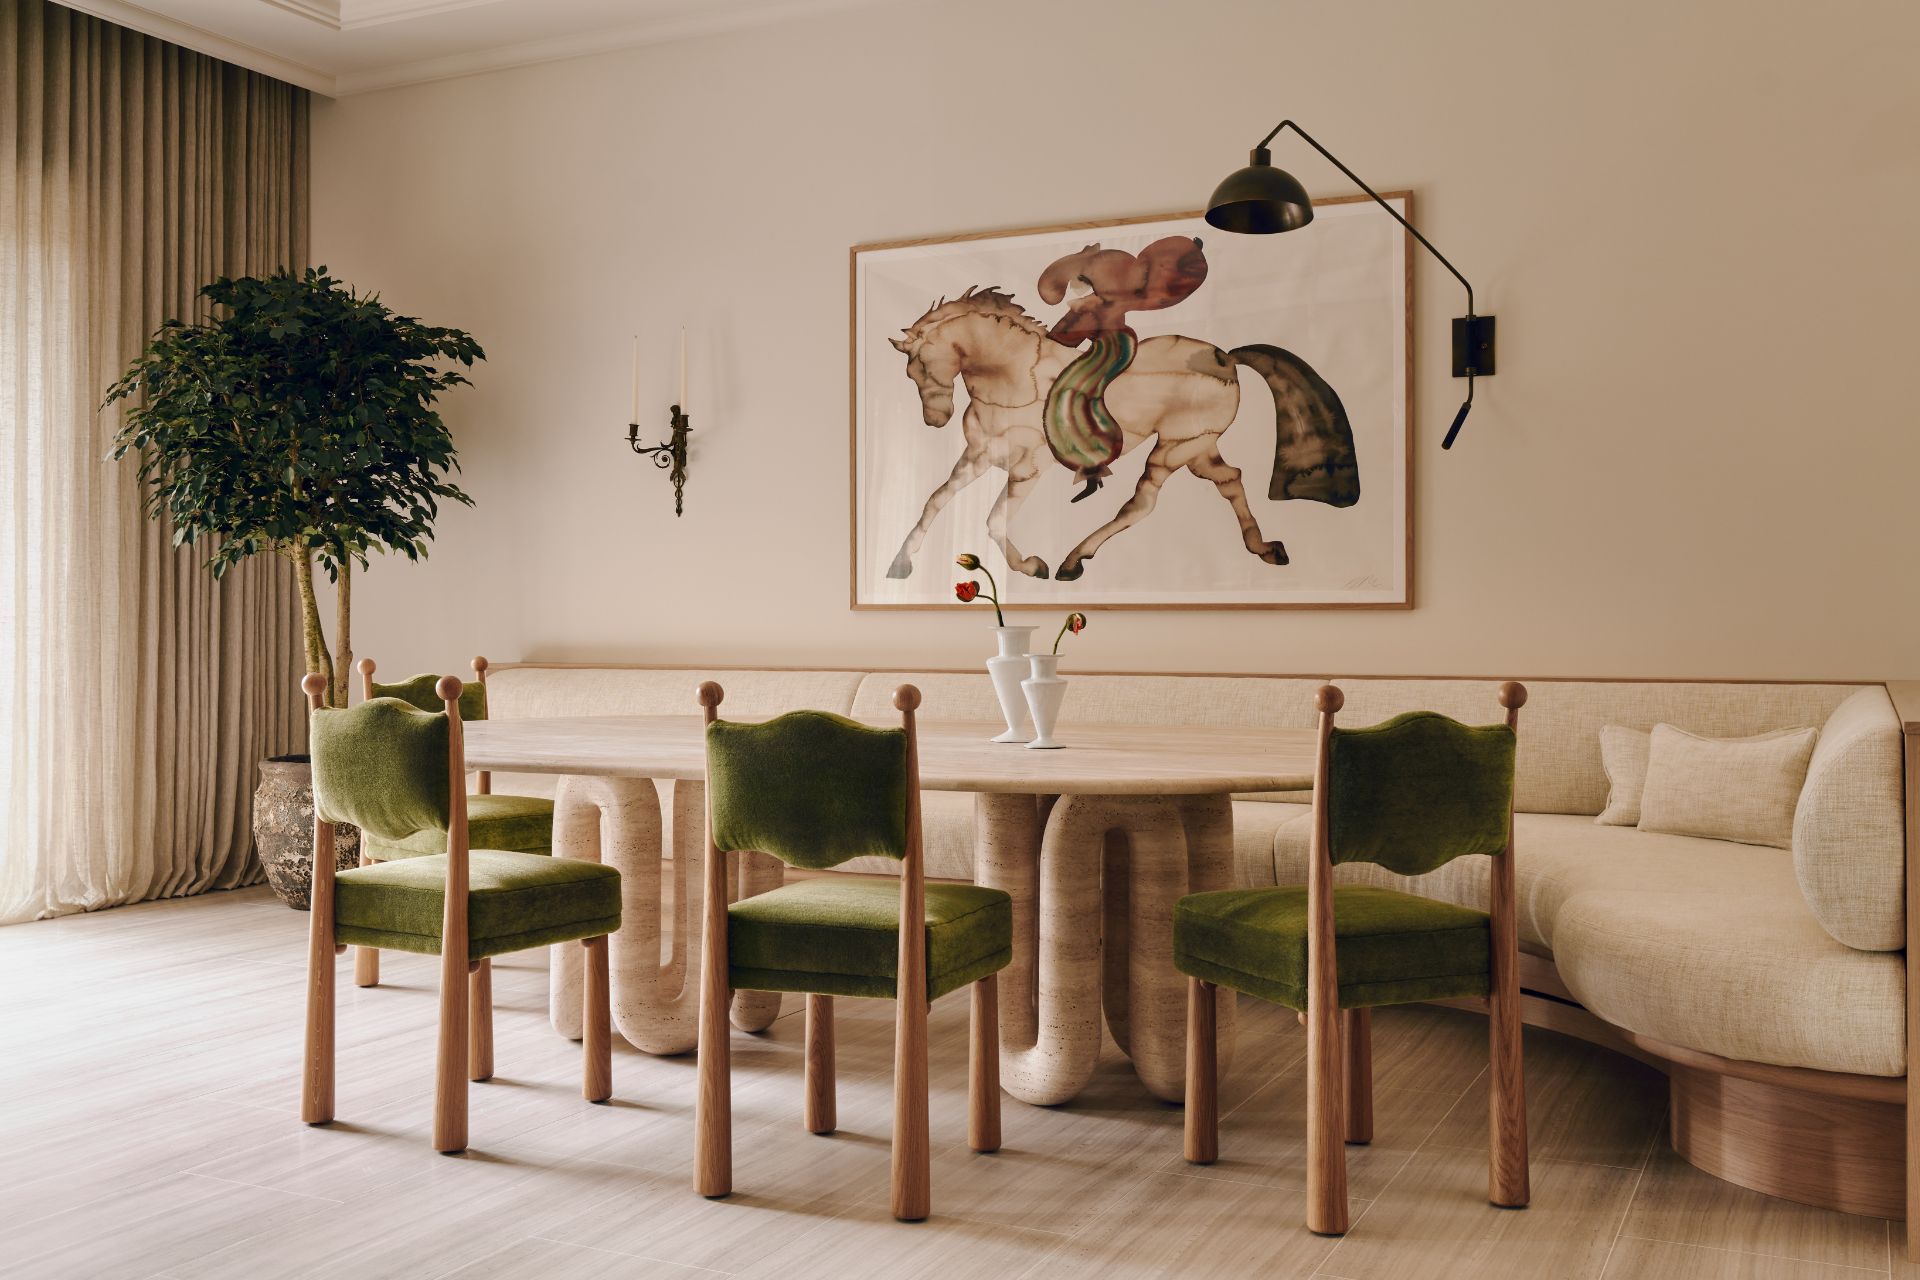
(1006, 669)
(1045, 690)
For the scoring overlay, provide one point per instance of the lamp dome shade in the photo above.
(1259, 199)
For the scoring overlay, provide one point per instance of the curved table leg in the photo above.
(1156, 850)
(1050, 993)
(1117, 863)
(655, 996)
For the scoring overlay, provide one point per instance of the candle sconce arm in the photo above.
(670, 455)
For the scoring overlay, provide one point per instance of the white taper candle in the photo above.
(683, 369)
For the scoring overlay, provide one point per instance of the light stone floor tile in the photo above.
(1440, 1225)
(1659, 1260)
(151, 1065)
(1680, 1204)
(1595, 1108)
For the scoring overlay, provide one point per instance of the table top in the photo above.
(954, 756)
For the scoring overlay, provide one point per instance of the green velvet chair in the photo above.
(399, 773)
(1410, 795)
(523, 824)
(814, 790)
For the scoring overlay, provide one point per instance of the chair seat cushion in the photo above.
(1392, 947)
(523, 824)
(514, 901)
(835, 935)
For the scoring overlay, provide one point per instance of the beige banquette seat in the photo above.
(1770, 984)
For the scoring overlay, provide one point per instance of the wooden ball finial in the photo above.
(1513, 695)
(314, 684)
(906, 698)
(1329, 699)
(364, 666)
(449, 688)
(710, 694)
(479, 665)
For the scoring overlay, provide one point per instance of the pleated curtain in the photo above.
(137, 695)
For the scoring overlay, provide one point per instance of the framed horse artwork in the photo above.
(1143, 413)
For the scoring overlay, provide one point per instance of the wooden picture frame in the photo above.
(1187, 527)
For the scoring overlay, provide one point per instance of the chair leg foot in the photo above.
(912, 1143)
(819, 1109)
(1326, 1123)
(450, 1060)
(596, 1049)
(1508, 1180)
(1203, 1073)
(713, 1101)
(1357, 1024)
(366, 966)
(983, 1066)
(480, 1023)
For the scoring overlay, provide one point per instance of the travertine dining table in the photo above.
(1094, 842)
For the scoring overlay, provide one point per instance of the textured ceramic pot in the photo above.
(283, 830)
(1006, 669)
(1044, 691)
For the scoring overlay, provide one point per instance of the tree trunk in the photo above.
(318, 658)
(343, 633)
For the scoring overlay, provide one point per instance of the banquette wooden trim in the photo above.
(1317, 676)
(1906, 707)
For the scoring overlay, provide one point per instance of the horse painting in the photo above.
(1179, 392)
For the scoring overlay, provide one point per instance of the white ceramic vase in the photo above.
(1005, 669)
(1045, 691)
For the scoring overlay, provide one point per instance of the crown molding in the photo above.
(681, 27)
(353, 14)
(148, 23)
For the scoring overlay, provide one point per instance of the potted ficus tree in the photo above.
(296, 420)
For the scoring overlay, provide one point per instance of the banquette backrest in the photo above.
(1559, 764)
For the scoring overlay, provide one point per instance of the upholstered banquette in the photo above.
(1769, 983)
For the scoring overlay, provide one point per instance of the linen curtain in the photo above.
(136, 694)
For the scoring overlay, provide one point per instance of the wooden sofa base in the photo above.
(1822, 1138)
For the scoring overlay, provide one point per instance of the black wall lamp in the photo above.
(1260, 200)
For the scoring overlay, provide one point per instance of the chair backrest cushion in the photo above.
(1416, 792)
(382, 766)
(423, 692)
(811, 788)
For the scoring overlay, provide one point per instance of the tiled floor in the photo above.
(149, 1059)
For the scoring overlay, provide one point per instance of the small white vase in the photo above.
(1005, 669)
(1045, 691)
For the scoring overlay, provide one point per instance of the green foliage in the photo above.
(298, 419)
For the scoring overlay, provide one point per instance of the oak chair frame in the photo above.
(466, 1018)
(912, 1145)
(1340, 1041)
(366, 960)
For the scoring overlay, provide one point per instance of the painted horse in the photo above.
(1180, 392)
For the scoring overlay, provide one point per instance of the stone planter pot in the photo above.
(283, 830)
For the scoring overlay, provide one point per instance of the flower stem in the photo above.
(993, 597)
(1061, 634)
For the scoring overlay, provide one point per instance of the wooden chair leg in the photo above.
(1358, 1026)
(1203, 1072)
(1508, 1183)
(1326, 1123)
(596, 1020)
(366, 966)
(912, 1144)
(450, 1064)
(480, 1022)
(983, 1067)
(713, 1101)
(820, 1113)
(316, 1083)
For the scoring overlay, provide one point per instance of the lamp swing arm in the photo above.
(1472, 334)
(1359, 182)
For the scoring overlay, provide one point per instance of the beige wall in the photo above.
(1695, 222)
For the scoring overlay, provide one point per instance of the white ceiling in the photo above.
(340, 47)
